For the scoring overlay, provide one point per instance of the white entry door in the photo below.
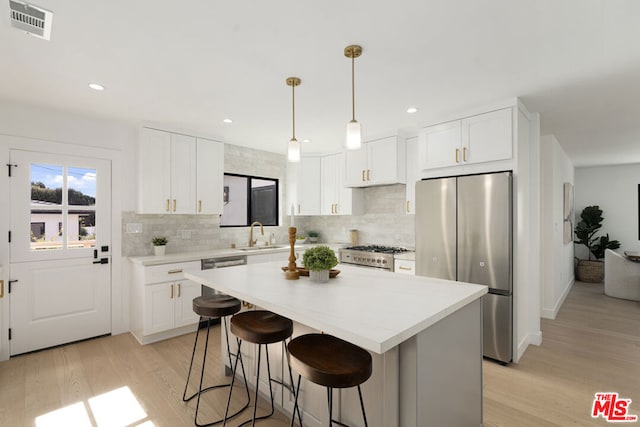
(60, 249)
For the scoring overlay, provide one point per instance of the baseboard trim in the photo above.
(551, 313)
(535, 339)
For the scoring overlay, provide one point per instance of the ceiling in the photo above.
(191, 64)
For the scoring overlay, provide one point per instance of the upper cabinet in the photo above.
(303, 186)
(179, 174)
(378, 162)
(483, 138)
(412, 175)
(336, 198)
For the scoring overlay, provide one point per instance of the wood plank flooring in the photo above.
(592, 346)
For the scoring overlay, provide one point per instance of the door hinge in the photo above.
(9, 166)
(9, 334)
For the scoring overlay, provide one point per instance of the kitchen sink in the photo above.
(261, 248)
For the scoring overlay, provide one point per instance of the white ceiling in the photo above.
(190, 64)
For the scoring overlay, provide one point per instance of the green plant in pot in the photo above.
(159, 245)
(592, 269)
(313, 236)
(319, 261)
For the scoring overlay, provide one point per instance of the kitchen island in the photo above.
(425, 336)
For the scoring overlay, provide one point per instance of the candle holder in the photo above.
(292, 272)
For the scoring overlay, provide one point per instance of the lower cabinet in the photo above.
(162, 301)
(404, 266)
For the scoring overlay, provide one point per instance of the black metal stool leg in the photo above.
(330, 397)
(193, 353)
(364, 415)
(233, 379)
(286, 353)
(295, 403)
(204, 361)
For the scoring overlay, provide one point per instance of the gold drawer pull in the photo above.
(178, 290)
(363, 175)
(1, 288)
(177, 270)
(168, 205)
(175, 203)
(199, 205)
(368, 175)
(464, 154)
(405, 268)
(407, 207)
(171, 291)
(457, 155)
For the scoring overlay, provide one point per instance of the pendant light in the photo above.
(293, 152)
(354, 134)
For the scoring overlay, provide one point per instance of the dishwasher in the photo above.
(208, 264)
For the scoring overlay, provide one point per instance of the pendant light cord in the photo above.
(293, 109)
(353, 87)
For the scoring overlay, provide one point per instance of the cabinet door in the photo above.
(158, 308)
(329, 184)
(308, 186)
(440, 146)
(209, 176)
(487, 137)
(356, 167)
(183, 174)
(155, 172)
(383, 162)
(412, 175)
(185, 291)
(404, 266)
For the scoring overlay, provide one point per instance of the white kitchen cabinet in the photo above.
(303, 183)
(477, 139)
(404, 266)
(378, 162)
(337, 199)
(162, 301)
(179, 174)
(412, 175)
(209, 177)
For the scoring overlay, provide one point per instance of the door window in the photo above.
(63, 207)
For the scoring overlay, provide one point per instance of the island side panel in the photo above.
(449, 370)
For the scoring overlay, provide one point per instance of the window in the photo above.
(248, 199)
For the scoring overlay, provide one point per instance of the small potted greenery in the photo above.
(313, 236)
(159, 245)
(592, 270)
(319, 260)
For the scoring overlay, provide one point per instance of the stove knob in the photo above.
(384, 261)
(378, 261)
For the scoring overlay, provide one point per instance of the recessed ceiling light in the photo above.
(228, 121)
(96, 86)
(412, 110)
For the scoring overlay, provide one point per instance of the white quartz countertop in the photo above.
(374, 309)
(218, 253)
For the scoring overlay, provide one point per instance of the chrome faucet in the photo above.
(251, 241)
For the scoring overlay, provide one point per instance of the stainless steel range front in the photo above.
(370, 256)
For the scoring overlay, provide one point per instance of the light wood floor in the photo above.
(593, 345)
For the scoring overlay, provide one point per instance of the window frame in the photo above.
(250, 178)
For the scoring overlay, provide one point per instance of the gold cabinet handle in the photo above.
(298, 207)
(457, 155)
(177, 270)
(168, 205)
(404, 268)
(362, 175)
(464, 154)
(368, 175)
(178, 290)
(407, 206)
(199, 205)
(1, 288)
(171, 291)
(175, 204)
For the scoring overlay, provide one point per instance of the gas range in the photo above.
(370, 255)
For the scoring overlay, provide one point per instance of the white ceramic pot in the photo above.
(159, 250)
(321, 276)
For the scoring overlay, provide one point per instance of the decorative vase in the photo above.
(321, 276)
(313, 240)
(590, 271)
(159, 250)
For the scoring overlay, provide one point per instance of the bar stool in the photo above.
(330, 362)
(213, 307)
(262, 328)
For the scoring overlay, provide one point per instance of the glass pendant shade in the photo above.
(354, 137)
(293, 153)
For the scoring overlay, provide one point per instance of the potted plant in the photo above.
(319, 260)
(592, 269)
(313, 236)
(159, 245)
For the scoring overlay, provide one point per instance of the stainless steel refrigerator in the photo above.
(464, 232)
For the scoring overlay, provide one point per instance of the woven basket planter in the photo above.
(590, 271)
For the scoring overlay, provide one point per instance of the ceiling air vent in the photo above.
(32, 19)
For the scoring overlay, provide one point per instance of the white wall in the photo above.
(23, 126)
(615, 190)
(557, 257)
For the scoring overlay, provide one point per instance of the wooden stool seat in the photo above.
(215, 306)
(261, 327)
(329, 361)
